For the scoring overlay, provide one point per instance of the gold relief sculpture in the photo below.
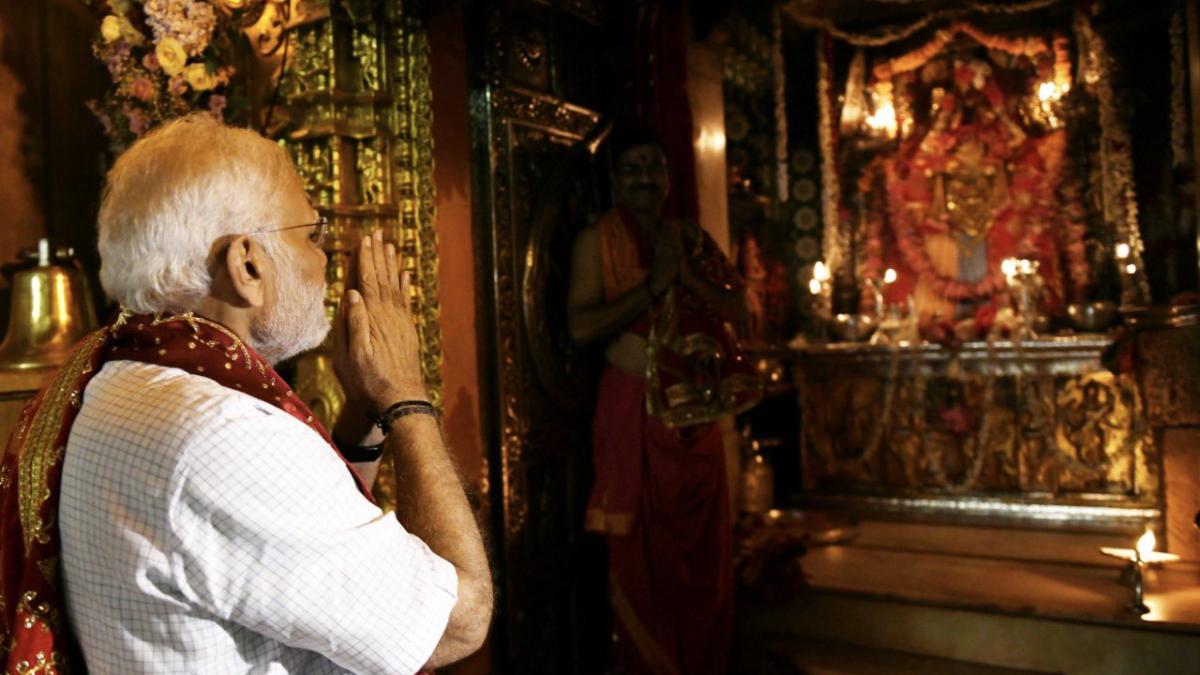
(372, 173)
(318, 162)
(1039, 459)
(847, 411)
(381, 126)
(413, 183)
(1016, 428)
(266, 23)
(365, 50)
(1099, 431)
(905, 434)
(310, 62)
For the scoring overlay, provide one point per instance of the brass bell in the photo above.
(51, 311)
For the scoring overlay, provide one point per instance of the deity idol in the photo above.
(974, 189)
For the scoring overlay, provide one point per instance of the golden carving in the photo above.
(365, 50)
(318, 163)
(310, 65)
(372, 172)
(1010, 424)
(382, 123)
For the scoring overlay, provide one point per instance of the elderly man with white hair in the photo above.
(170, 505)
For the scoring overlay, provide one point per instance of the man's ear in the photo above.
(245, 263)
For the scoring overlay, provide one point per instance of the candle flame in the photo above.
(883, 120)
(889, 277)
(1145, 544)
(1130, 268)
(814, 286)
(1049, 91)
(1122, 251)
(821, 271)
(1009, 267)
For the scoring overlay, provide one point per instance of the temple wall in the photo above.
(456, 260)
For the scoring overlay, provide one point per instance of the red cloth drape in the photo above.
(661, 496)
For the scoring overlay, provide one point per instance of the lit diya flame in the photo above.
(1145, 545)
(1143, 552)
(889, 277)
(1009, 267)
(821, 271)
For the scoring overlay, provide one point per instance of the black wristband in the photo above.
(360, 453)
(401, 409)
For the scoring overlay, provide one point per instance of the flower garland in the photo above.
(830, 188)
(1049, 205)
(166, 58)
(887, 37)
(1116, 160)
(1030, 46)
(782, 181)
(1180, 156)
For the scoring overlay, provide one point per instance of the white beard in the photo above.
(295, 322)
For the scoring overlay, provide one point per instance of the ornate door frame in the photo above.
(534, 185)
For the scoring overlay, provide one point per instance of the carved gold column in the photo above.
(353, 108)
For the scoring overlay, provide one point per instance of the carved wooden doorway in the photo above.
(537, 68)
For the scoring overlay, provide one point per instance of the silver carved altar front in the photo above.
(1035, 431)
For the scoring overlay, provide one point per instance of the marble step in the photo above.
(822, 657)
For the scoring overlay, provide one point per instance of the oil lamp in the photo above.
(1021, 276)
(819, 288)
(877, 287)
(1138, 557)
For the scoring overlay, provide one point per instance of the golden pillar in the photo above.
(349, 97)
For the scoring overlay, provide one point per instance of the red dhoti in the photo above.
(661, 497)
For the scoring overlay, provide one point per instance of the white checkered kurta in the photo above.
(205, 531)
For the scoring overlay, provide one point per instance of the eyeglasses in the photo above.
(318, 235)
